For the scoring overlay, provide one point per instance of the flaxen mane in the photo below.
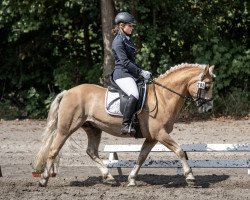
(181, 66)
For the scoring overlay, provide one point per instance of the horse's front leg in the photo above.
(164, 138)
(146, 148)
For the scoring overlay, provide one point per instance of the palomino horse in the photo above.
(83, 106)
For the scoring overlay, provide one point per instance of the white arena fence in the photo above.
(114, 162)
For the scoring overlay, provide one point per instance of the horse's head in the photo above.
(200, 88)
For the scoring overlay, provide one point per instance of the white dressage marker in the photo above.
(114, 162)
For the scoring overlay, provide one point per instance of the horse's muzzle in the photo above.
(206, 107)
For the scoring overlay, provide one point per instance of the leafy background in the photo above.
(47, 46)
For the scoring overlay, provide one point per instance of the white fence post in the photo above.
(179, 171)
(248, 170)
(114, 156)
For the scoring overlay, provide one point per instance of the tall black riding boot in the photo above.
(129, 111)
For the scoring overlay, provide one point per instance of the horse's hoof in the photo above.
(132, 184)
(191, 181)
(43, 183)
(110, 181)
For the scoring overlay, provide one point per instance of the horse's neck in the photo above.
(177, 81)
(170, 102)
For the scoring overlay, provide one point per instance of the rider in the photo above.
(126, 71)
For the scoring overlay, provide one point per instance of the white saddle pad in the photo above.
(112, 103)
(114, 108)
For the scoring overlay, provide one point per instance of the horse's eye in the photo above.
(207, 87)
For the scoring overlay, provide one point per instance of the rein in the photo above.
(187, 98)
(198, 98)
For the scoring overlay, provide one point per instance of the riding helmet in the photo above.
(125, 17)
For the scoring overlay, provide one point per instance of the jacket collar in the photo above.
(126, 39)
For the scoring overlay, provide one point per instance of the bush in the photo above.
(235, 103)
(8, 111)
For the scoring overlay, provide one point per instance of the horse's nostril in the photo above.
(209, 109)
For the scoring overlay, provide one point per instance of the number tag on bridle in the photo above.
(201, 85)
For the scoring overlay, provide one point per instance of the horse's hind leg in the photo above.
(94, 138)
(63, 132)
(54, 150)
(164, 138)
(146, 148)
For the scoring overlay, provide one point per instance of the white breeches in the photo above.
(128, 85)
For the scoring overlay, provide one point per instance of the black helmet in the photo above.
(124, 17)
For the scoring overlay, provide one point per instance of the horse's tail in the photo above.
(49, 134)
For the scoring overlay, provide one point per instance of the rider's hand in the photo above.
(146, 74)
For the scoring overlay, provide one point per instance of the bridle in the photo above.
(198, 99)
(202, 87)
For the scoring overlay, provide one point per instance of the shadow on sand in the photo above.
(176, 181)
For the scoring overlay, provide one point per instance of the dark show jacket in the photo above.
(124, 54)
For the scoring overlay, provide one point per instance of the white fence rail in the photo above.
(114, 162)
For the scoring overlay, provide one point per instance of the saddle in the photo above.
(116, 99)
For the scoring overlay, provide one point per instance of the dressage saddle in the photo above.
(142, 88)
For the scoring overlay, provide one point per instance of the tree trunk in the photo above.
(108, 16)
(88, 56)
(132, 6)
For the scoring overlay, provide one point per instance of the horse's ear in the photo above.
(211, 69)
(206, 69)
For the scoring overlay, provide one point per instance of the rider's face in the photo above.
(128, 28)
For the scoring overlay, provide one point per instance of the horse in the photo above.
(83, 107)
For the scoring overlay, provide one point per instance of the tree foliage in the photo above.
(47, 46)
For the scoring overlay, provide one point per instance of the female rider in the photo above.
(126, 71)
